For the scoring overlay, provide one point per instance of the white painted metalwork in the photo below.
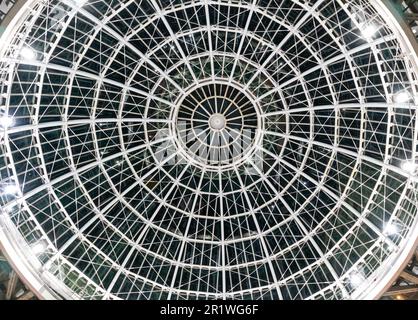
(207, 149)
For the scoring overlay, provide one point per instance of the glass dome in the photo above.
(207, 149)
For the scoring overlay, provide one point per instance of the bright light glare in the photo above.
(368, 30)
(27, 53)
(9, 209)
(38, 248)
(356, 279)
(391, 229)
(10, 189)
(402, 97)
(409, 166)
(6, 122)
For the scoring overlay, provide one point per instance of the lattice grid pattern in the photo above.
(318, 206)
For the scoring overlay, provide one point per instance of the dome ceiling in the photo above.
(207, 149)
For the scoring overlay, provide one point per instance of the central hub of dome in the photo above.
(217, 122)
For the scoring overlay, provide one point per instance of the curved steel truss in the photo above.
(207, 149)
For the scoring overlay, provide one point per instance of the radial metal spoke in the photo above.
(208, 149)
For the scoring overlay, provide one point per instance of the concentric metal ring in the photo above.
(102, 198)
(217, 145)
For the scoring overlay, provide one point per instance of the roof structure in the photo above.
(208, 149)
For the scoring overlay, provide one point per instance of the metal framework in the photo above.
(106, 105)
(406, 286)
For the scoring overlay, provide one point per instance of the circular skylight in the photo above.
(168, 149)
